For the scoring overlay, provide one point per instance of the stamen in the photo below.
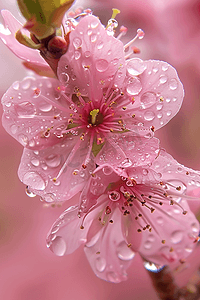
(140, 35)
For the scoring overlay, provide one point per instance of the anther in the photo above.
(129, 245)
(178, 188)
(139, 230)
(163, 241)
(81, 227)
(111, 221)
(84, 166)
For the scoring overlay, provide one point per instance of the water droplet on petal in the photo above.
(176, 236)
(77, 55)
(34, 180)
(77, 42)
(112, 277)
(94, 24)
(147, 99)
(93, 38)
(58, 246)
(100, 264)
(15, 85)
(163, 79)
(23, 139)
(135, 67)
(53, 160)
(29, 193)
(188, 249)
(35, 162)
(114, 195)
(25, 108)
(64, 78)
(173, 84)
(159, 220)
(149, 115)
(49, 198)
(100, 45)
(165, 67)
(126, 163)
(152, 267)
(87, 53)
(101, 65)
(134, 86)
(26, 83)
(124, 252)
(45, 106)
(13, 129)
(195, 227)
(159, 106)
(107, 170)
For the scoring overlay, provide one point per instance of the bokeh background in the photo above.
(28, 270)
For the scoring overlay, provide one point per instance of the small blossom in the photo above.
(140, 209)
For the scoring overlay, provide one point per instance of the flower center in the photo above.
(95, 117)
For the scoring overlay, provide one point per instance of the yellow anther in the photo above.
(94, 114)
(115, 12)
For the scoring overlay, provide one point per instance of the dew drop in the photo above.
(53, 160)
(94, 24)
(77, 42)
(126, 163)
(159, 115)
(93, 38)
(29, 193)
(112, 277)
(87, 53)
(107, 170)
(163, 79)
(64, 78)
(115, 61)
(114, 195)
(159, 106)
(176, 237)
(26, 83)
(101, 65)
(58, 246)
(124, 252)
(77, 55)
(169, 112)
(100, 45)
(16, 85)
(13, 129)
(35, 162)
(45, 106)
(25, 108)
(34, 180)
(134, 86)
(195, 227)
(23, 139)
(135, 67)
(173, 84)
(165, 67)
(152, 267)
(49, 198)
(100, 264)
(188, 249)
(147, 99)
(149, 115)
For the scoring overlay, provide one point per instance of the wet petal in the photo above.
(66, 235)
(177, 231)
(92, 59)
(157, 93)
(128, 150)
(51, 173)
(108, 254)
(178, 175)
(33, 109)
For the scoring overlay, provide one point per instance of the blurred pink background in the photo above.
(28, 270)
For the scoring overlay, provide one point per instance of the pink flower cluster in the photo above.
(91, 130)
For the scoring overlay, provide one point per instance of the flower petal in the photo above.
(65, 235)
(157, 92)
(32, 109)
(92, 59)
(109, 255)
(128, 149)
(51, 173)
(177, 231)
(18, 49)
(178, 175)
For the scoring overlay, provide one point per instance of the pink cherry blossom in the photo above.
(122, 211)
(102, 105)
